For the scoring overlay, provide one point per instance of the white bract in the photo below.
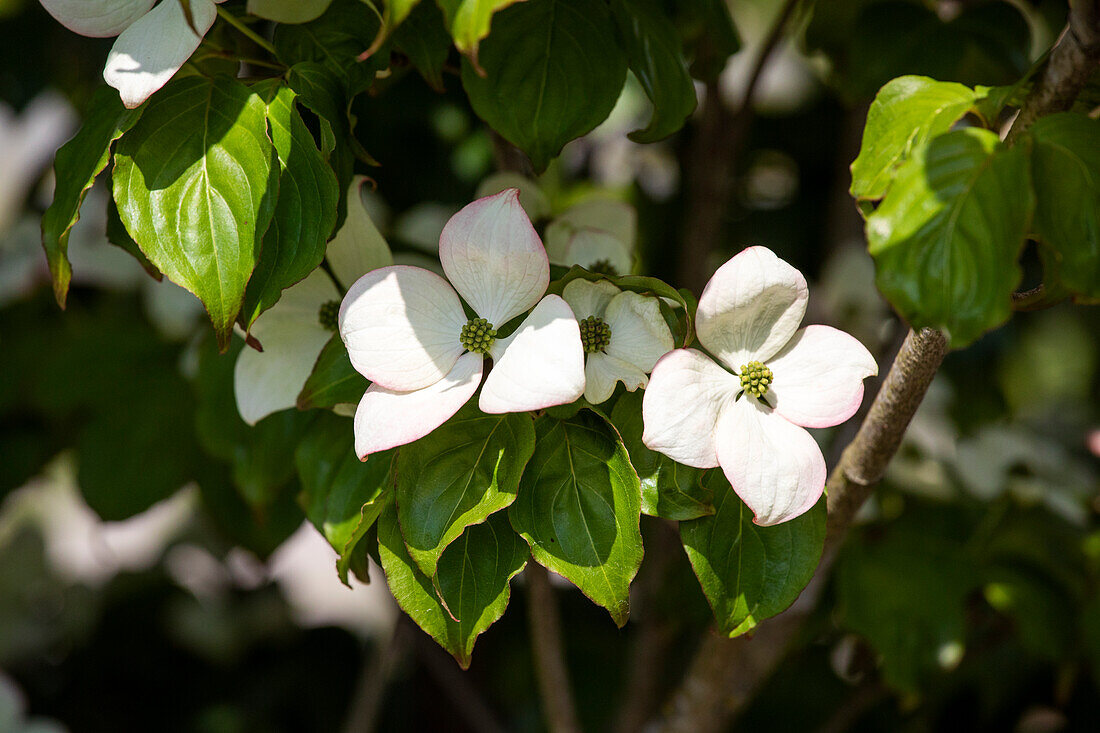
(784, 379)
(295, 329)
(152, 44)
(597, 234)
(406, 330)
(623, 335)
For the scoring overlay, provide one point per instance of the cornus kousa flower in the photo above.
(623, 334)
(407, 331)
(152, 44)
(747, 413)
(295, 329)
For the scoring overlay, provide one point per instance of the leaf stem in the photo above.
(246, 31)
(546, 643)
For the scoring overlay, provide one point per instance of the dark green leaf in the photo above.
(948, 234)
(458, 475)
(196, 182)
(1065, 165)
(76, 166)
(656, 56)
(908, 604)
(553, 71)
(669, 489)
(579, 506)
(906, 113)
(341, 495)
(305, 211)
(333, 381)
(424, 39)
(709, 32)
(473, 576)
(335, 41)
(750, 573)
(260, 532)
(118, 236)
(987, 43)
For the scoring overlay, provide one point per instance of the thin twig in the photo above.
(546, 643)
(711, 162)
(377, 671)
(456, 685)
(246, 31)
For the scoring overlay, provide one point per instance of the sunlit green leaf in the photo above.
(196, 181)
(579, 506)
(76, 166)
(458, 475)
(473, 577)
(948, 234)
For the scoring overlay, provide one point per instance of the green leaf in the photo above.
(288, 11)
(260, 532)
(398, 10)
(669, 489)
(424, 39)
(750, 573)
(335, 41)
(656, 56)
(553, 71)
(305, 211)
(708, 30)
(341, 495)
(469, 21)
(948, 234)
(1065, 165)
(196, 181)
(473, 577)
(908, 604)
(333, 380)
(119, 237)
(76, 166)
(906, 113)
(579, 506)
(459, 474)
(986, 43)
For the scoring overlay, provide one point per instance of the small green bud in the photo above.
(604, 267)
(329, 315)
(478, 335)
(595, 334)
(756, 379)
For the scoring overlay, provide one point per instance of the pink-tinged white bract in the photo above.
(153, 42)
(402, 328)
(696, 412)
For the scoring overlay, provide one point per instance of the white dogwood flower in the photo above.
(597, 234)
(406, 330)
(748, 413)
(623, 334)
(152, 44)
(295, 329)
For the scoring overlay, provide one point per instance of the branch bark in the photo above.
(727, 673)
(711, 164)
(546, 642)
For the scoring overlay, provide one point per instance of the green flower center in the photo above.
(478, 335)
(329, 315)
(755, 379)
(604, 267)
(595, 334)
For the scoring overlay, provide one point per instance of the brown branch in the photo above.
(727, 673)
(546, 643)
(711, 163)
(1072, 61)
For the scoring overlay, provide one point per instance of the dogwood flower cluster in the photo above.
(747, 408)
(407, 331)
(152, 44)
